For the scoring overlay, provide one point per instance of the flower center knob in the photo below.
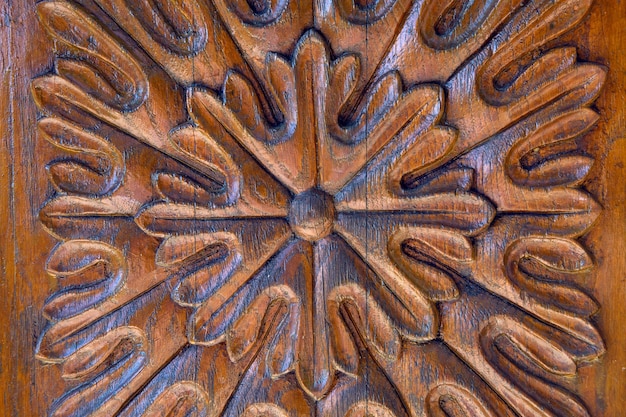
(312, 214)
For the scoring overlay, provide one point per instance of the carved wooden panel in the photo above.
(319, 208)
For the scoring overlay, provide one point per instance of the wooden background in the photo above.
(29, 387)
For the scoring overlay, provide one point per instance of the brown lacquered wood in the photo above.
(313, 208)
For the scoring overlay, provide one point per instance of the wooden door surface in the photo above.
(313, 208)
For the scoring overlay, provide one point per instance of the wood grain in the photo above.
(275, 208)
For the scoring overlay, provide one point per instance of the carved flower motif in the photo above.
(372, 184)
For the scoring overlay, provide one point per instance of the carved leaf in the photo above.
(519, 352)
(205, 262)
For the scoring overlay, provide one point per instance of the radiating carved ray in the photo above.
(314, 367)
(463, 211)
(74, 217)
(163, 219)
(525, 161)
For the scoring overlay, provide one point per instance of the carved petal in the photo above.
(410, 113)
(468, 212)
(275, 310)
(264, 410)
(427, 255)
(529, 360)
(452, 401)
(177, 26)
(421, 157)
(205, 262)
(548, 269)
(369, 409)
(89, 272)
(92, 166)
(197, 146)
(547, 157)
(183, 399)
(351, 309)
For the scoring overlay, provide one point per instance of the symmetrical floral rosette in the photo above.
(336, 211)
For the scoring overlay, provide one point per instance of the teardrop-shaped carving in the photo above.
(549, 156)
(182, 189)
(275, 310)
(264, 410)
(533, 362)
(428, 257)
(421, 158)
(448, 24)
(384, 94)
(88, 272)
(199, 147)
(513, 72)
(183, 399)
(457, 179)
(448, 400)
(92, 166)
(351, 308)
(369, 409)
(550, 269)
(204, 261)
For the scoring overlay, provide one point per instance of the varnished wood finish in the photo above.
(329, 208)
